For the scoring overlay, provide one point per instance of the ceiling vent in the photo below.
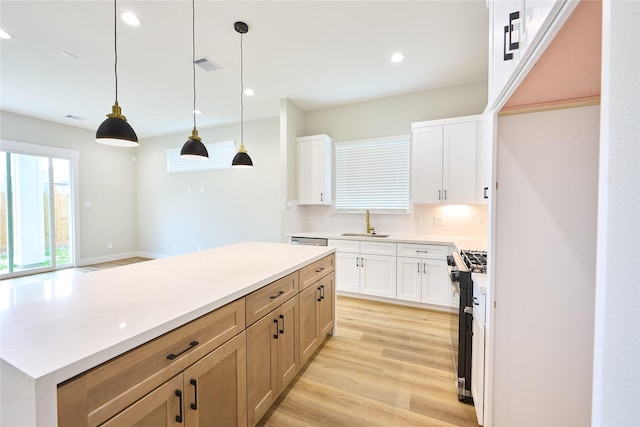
(206, 64)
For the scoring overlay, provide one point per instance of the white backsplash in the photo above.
(456, 220)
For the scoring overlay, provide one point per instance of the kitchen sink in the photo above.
(364, 235)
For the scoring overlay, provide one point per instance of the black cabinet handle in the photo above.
(276, 334)
(439, 194)
(321, 292)
(276, 296)
(192, 344)
(486, 196)
(320, 297)
(282, 330)
(508, 30)
(357, 260)
(445, 194)
(319, 270)
(322, 197)
(179, 395)
(194, 383)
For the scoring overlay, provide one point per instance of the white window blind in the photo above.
(220, 157)
(373, 174)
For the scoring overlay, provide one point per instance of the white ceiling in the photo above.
(316, 53)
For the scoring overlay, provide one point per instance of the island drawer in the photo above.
(265, 299)
(423, 251)
(95, 396)
(316, 270)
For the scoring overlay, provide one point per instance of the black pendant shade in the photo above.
(115, 130)
(194, 148)
(241, 159)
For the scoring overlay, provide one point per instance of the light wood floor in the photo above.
(389, 366)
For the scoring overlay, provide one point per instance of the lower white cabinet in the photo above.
(365, 267)
(422, 274)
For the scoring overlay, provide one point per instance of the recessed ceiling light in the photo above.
(397, 57)
(131, 19)
(4, 35)
(249, 92)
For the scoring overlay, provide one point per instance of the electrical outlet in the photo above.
(438, 221)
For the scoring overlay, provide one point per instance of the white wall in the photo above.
(235, 205)
(545, 255)
(387, 117)
(616, 382)
(107, 179)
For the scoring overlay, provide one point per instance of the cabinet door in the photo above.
(262, 366)
(216, 387)
(427, 164)
(287, 341)
(348, 272)
(538, 14)
(477, 369)
(459, 174)
(506, 34)
(409, 279)
(312, 176)
(162, 407)
(326, 309)
(309, 328)
(378, 275)
(435, 282)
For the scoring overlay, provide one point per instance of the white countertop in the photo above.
(56, 329)
(460, 242)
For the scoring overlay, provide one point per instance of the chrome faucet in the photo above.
(370, 229)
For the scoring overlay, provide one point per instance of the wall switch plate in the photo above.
(438, 221)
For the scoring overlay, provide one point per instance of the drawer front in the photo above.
(317, 270)
(265, 299)
(351, 246)
(423, 251)
(97, 395)
(377, 248)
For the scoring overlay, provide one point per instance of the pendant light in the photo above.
(115, 130)
(194, 148)
(241, 159)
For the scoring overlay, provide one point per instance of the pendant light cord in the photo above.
(115, 44)
(193, 56)
(241, 94)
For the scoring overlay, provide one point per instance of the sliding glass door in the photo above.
(36, 213)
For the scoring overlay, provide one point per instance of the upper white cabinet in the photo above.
(314, 170)
(517, 26)
(444, 160)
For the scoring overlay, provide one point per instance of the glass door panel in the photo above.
(35, 214)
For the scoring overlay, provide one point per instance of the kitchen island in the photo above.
(53, 331)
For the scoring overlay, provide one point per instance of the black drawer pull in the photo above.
(319, 270)
(282, 330)
(276, 296)
(179, 395)
(194, 383)
(191, 345)
(485, 192)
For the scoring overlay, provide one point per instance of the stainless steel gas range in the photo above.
(461, 265)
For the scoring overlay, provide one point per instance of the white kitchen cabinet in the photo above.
(422, 274)
(444, 160)
(517, 26)
(477, 368)
(365, 267)
(485, 160)
(314, 170)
